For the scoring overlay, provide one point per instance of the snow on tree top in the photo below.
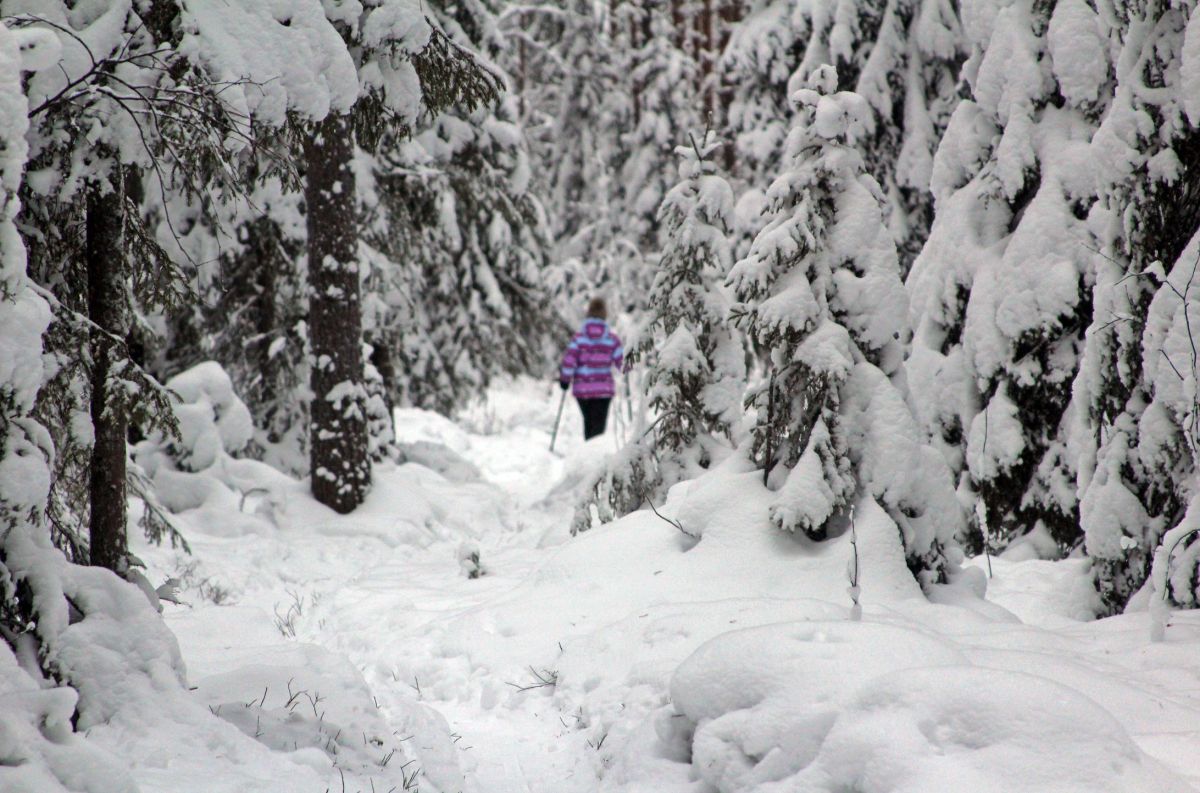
(281, 56)
(399, 24)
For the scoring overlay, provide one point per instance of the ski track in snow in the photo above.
(383, 588)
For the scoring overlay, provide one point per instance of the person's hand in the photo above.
(564, 384)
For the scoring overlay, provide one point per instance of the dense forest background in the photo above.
(941, 254)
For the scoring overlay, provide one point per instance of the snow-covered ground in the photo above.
(633, 657)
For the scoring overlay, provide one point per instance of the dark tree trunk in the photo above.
(106, 266)
(706, 56)
(769, 463)
(678, 25)
(265, 254)
(341, 470)
(730, 15)
(522, 63)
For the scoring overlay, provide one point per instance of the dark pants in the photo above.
(595, 415)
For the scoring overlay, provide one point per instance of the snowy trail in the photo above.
(520, 750)
(389, 616)
(380, 598)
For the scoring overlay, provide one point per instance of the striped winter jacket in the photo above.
(589, 360)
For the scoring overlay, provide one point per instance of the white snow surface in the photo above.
(632, 657)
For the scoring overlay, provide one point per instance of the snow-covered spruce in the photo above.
(999, 293)
(171, 99)
(695, 361)
(568, 77)
(1136, 434)
(58, 621)
(456, 245)
(660, 73)
(820, 295)
(393, 70)
(902, 58)
(605, 94)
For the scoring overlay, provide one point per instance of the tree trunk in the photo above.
(106, 269)
(265, 255)
(522, 64)
(706, 55)
(730, 15)
(769, 463)
(341, 470)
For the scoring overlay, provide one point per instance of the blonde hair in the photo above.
(597, 309)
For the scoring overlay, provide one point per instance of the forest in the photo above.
(904, 289)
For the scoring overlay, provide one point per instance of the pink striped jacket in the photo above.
(589, 360)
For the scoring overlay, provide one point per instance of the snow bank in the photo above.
(759, 702)
(441, 459)
(39, 750)
(259, 538)
(884, 709)
(420, 509)
(960, 728)
(197, 473)
(312, 706)
(613, 678)
(102, 636)
(212, 420)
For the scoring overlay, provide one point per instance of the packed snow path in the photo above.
(552, 670)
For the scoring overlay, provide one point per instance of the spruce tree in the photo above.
(694, 361)
(902, 57)
(576, 107)
(394, 47)
(252, 317)
(25, 444)
(999, 292)
(457, 245)
(820, 295)
(108, 271)
(662, 83)
(1136, 423)
(127, 125)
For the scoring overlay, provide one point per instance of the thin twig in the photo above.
(674, 523)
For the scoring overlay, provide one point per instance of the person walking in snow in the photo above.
(588, 363)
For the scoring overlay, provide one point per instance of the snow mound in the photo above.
(758, 702)
(211, 417)
(832, 706)
(197, 473)
(611, 679)
(728, 510)
(440, 458)
(313, 707)
(963, 728)
(419, 508)
(39, 752)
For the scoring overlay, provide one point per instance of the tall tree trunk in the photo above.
(341, 469)
(522, 64)
(678, 24)
(730, 15)
(106, 269)
(706, 55)
(265, 259)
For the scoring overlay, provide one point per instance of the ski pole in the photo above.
(558, 419)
